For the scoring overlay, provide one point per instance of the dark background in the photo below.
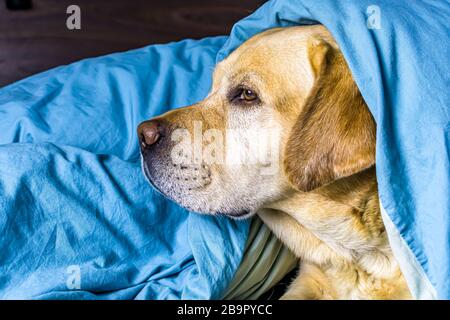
(37, 39)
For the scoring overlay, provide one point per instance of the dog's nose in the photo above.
(149, 132)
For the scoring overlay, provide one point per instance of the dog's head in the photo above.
(283, 115)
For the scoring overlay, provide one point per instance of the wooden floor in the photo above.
(38, 39)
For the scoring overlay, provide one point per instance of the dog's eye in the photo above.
(244, 96)
(248, 95)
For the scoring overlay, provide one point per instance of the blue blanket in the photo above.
(77, 218)
(74, 203)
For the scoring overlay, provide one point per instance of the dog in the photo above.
(318, 194)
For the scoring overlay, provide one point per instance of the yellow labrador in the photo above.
(285, 134)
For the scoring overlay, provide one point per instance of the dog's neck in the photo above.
(344, 215)
(338, 228)
(357, 194)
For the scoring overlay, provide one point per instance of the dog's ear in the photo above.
(334, 136)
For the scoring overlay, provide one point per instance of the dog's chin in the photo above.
(240, 215)
(235, 215)
(149, 178)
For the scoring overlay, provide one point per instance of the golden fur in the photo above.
(323, 203)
